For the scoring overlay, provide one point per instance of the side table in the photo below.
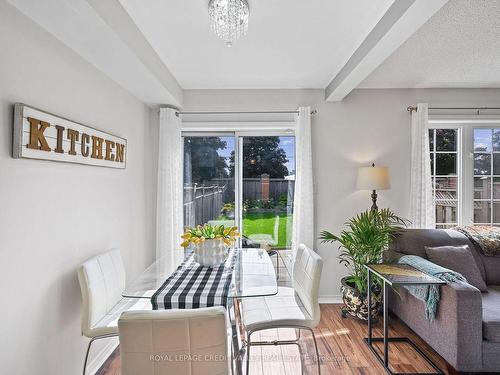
(395, 275)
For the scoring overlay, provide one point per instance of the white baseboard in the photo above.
(101, 357)
(330, 298)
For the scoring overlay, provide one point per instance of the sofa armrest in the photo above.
(456, 333)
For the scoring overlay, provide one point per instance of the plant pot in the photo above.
(210, 253)
(357, 304)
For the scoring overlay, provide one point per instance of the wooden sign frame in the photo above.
(45, 136)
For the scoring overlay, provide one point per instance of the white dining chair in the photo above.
(267, 239)
(102, 281)
(180, 342)
(296, 307)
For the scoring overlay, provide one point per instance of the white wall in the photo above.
(55, 215)
(368, 126)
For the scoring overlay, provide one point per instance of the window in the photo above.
(466, 183)
(445, 175)
(486, 197)
(243, 180)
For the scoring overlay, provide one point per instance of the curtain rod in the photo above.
(313, 112)
(413, 108)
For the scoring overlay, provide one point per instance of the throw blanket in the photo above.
(485, 238)
(429, 293)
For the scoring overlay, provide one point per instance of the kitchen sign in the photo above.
(41, 135)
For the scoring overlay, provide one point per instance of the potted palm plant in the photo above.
(367, 235)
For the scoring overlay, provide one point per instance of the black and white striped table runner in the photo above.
(193, 286)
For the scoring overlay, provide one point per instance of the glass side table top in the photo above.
(402, 274)
(253, 276)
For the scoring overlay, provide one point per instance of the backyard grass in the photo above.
(263, 223)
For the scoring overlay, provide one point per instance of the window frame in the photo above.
(238, 151)
(459, 147)
(491, 200)
(465, 166)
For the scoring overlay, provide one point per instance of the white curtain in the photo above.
(422, 212)
(303, 209)
(169, 215)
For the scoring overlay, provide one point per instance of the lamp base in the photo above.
(374, 201)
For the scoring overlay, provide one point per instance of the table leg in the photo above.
(369, 309)
(386, 325)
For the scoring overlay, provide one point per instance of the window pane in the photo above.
(431, 139)
(482, 187)
(482, 140)
(496, 187)
(433, 172)
(445, 226)
(482, 212)
(446, 139)
(208, 180)
(446, 211)
(496, 212)
(482, 164)
(446, 188)
(446, 164)
(496, 164)
(496, 139)
(268, 188)
(446, 183)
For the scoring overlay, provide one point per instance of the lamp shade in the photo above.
(373, 178)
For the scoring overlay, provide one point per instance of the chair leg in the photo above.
(317, 352)
(88, 349)
(277, 266)
(286, 342)
(248, 354)
(87, 355)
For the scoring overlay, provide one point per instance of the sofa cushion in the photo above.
(458, 259)
(491, 314)
(492, 268)
(413, 242)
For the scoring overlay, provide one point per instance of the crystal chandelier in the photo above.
(229, 19)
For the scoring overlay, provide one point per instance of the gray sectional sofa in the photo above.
(466, 331)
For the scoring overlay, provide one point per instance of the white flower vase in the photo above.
(210, 252)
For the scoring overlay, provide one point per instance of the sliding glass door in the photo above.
(244, 180)
(209, 183)
(267, 186)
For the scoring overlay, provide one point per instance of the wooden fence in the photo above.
(203, 203)
(252, 188)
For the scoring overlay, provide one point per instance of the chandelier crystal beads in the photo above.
(229, 19)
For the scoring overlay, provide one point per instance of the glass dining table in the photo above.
(253, 276)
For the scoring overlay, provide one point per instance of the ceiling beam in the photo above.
(402, 20)
(105, 36)
(115, 15)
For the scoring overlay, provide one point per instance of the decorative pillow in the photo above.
(458, 259)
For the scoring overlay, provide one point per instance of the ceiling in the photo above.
(158, 48)
(458, 47)
(290, 43)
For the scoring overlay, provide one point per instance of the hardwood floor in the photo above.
(341, 347)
